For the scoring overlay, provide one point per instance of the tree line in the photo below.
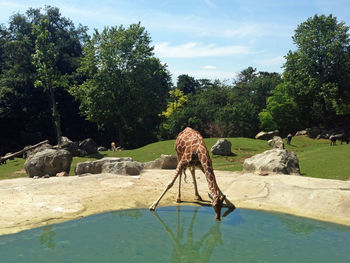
(56, 79)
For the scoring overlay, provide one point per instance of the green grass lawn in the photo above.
(316, 157)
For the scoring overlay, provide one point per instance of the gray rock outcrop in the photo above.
(40, 148)
(72, 147)
(125, 167)
(276, 142)
(275, 161)
(222, 147)
(300, 133)
(101, 149)
(163, 162)
(113, 165)
(266, 135)
(48, 162)
(89, 146)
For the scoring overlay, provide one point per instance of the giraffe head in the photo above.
(217, 204)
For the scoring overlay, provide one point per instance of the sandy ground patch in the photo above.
(28, 203)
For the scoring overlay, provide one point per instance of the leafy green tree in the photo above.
(124, 82)
(24, 109)
(319, 70)
(281, 112)
(222, 110)
(45, 61)
(187, 84)
(176, 101)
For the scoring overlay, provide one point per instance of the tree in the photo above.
(24, 109)
(187, 84)
(319, 70)
(125, 84)
(281, 112)
(45, 61)
(176, 101)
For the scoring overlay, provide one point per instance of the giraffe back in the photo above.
(190, 146)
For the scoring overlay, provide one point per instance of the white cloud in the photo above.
(194, 49)
(272, 61)
(209, 67)
(206, 74)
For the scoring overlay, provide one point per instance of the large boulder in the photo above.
(275, 161)
(313, 132)
(302, 132)
(125, 167)
(276, 142)
(222, 147)
(48, 162)
(88, 146)
(163, 162)
(266, 135)
(72, 147)
(40, 148)
(110, 165)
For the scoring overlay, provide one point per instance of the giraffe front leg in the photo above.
(178, 200)
(197, 196)
(169, 185)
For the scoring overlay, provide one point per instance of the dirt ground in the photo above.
(28, 203)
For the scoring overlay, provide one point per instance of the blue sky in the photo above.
(212, 39)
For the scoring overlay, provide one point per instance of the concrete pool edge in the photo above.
(28, 203)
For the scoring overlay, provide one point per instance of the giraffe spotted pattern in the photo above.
(191, 151)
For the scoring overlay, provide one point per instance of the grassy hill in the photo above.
(316, 157)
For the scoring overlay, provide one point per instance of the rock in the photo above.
(275, 160)
(222, 147)
(276, 142)
(313, 132)
(61, 174)
(82, 152)
(299, 133)
(110, 165)
(49, 162)
(101, 149)
(266, 135)
(89, 146)
(163, 162)
(124, 167)
(72, 147)
(40, 148)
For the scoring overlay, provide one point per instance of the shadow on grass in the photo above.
(96, 155)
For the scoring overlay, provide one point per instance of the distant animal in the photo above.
(289, 138)
(113, 147)
(342, 137)
(2, 160)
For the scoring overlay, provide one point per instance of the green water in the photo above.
(181, 234)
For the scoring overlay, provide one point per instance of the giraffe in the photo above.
(191, 151)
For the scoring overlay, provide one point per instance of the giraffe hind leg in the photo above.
(197, 196)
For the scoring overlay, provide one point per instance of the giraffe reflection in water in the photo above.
(188, 248)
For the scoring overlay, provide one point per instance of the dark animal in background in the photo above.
(289, 138)
(342, 137)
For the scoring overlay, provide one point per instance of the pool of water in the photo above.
(181, 234)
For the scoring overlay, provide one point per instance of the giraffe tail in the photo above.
(185, 175)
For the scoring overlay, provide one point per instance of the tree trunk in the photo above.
(55, 116)
(22, 151)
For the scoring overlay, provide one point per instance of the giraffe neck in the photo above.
(213, 186)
